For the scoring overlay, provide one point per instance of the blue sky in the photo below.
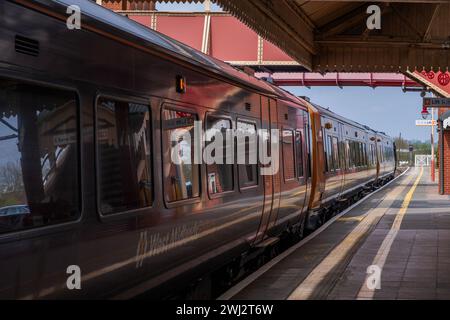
(384, 109)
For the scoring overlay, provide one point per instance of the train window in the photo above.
(361, 156)
(352, 154)
(181, 174)
(361, 149)
(358, 153)
(368, 161)
(248, 171)
(336, 155)
(220, 173)
(364, 150)
(288, 155)
(380, 154)
(364, 154)
(368, 156)
(308, 142)
(124, 156)
(329, 154)
(39, 181)
(374, 155)
(325, 151)
(299, 153)
(347, 155)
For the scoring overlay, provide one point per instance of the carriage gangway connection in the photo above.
(393, 244)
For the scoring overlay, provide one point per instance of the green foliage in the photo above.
(420, 148)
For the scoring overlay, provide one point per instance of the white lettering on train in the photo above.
(154, 244)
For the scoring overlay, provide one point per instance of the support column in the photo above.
(206, 37)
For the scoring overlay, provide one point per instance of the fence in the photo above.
(423, 160)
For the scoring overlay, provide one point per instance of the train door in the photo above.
(308, 165)
(292, 173)
(333, 180)
(271, 182)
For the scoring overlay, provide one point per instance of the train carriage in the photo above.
(87, 177)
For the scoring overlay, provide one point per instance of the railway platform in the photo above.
(394, 244)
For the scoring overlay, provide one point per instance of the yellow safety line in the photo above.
(313, 281)
(385, 248)
(406, 202)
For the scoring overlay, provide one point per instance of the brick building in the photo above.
(444, 150)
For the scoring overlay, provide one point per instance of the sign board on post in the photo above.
(426, 123)
(436, 102)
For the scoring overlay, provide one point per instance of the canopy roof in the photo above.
(333, 35)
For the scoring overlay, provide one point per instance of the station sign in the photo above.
(177, 123)
(64, 139)
(436, 102)
(426, 123)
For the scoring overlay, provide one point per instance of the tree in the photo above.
(11, 176)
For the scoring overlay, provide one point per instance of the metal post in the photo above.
(411, 163)
(206, 37)
(433, 170)
(207, 4)
(441, 159)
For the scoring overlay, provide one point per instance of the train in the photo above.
(91, 204)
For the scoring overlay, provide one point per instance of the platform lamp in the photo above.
(425, 113)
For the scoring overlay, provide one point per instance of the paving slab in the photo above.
(402, 231)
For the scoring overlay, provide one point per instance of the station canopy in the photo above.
(328, 36)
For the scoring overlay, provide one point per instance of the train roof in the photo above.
(121, 26)
(331, 114)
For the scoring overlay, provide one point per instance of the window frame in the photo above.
(213, 196)
(336, 157)
(258, 180)
(295, 177)
(325, 151)
(302, 151)
(308, 139)
(330, 156)
(67, 225)
(179, 203)
(128, 99)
